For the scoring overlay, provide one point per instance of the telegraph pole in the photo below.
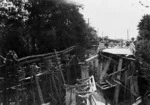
(127, 34)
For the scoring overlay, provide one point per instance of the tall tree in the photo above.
(143, 40)
(39, 26)
(11, 26)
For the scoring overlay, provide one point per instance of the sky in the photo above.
(113, 18)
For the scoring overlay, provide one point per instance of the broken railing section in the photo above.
(85, 92)
(37, 79)
(116, 73)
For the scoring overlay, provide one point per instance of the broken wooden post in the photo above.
(5, 97)
(99, 70)
(117, 89)
(33, 92)
(84, 72)
(136, 88)
(105, 69)
(68, 73)
(59, 66)
(57, 93)
(133, 83)
(126, 83)
(39, 90)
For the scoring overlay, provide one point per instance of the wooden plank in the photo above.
(108, 58)
(28, 58)
(91, 58)
(132, 88)
(105, 69)
(133, 83)
(84, 72)
(99, 70)
(136, 85)
(33, 92)
(59, 66)
(132, 93)
(117, 89)
(33, 95)
(57, 93)
(126, 83)
(39, 90)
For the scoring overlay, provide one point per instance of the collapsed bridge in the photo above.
(123, 79)
(112, 76)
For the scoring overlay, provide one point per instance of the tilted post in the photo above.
(117, 89)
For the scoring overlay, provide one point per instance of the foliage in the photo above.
(40, 26)
(143, 40)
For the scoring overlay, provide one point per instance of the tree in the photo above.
(11, 26)
(143, 40)
(40, 26)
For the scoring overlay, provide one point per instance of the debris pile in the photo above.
(117, 75)
(84, 93)
(37, 79)
(110, 77)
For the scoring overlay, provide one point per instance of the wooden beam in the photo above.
(84, 72)
(99, 70)
(136, 85)
(117, 89)
(105, 69)
(34, 58)
(57, 93)
(91, 58)
(59, 66)
(126, 83)
(39, 90)
(107, 57)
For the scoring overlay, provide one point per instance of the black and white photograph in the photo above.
(74, 52)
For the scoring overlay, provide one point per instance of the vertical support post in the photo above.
(117, 89)
(105, 69)
(75, 69)
(68, 73)
(39, 90)
(126, 83)
(50, 84)
(84, 72)
(56, 90)
(133, 83)
(136, 86)
(5, 97)
(99, 71)
(33, 92)
(132, 93)
(59, 67)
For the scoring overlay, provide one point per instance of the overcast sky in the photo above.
(114, 17)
